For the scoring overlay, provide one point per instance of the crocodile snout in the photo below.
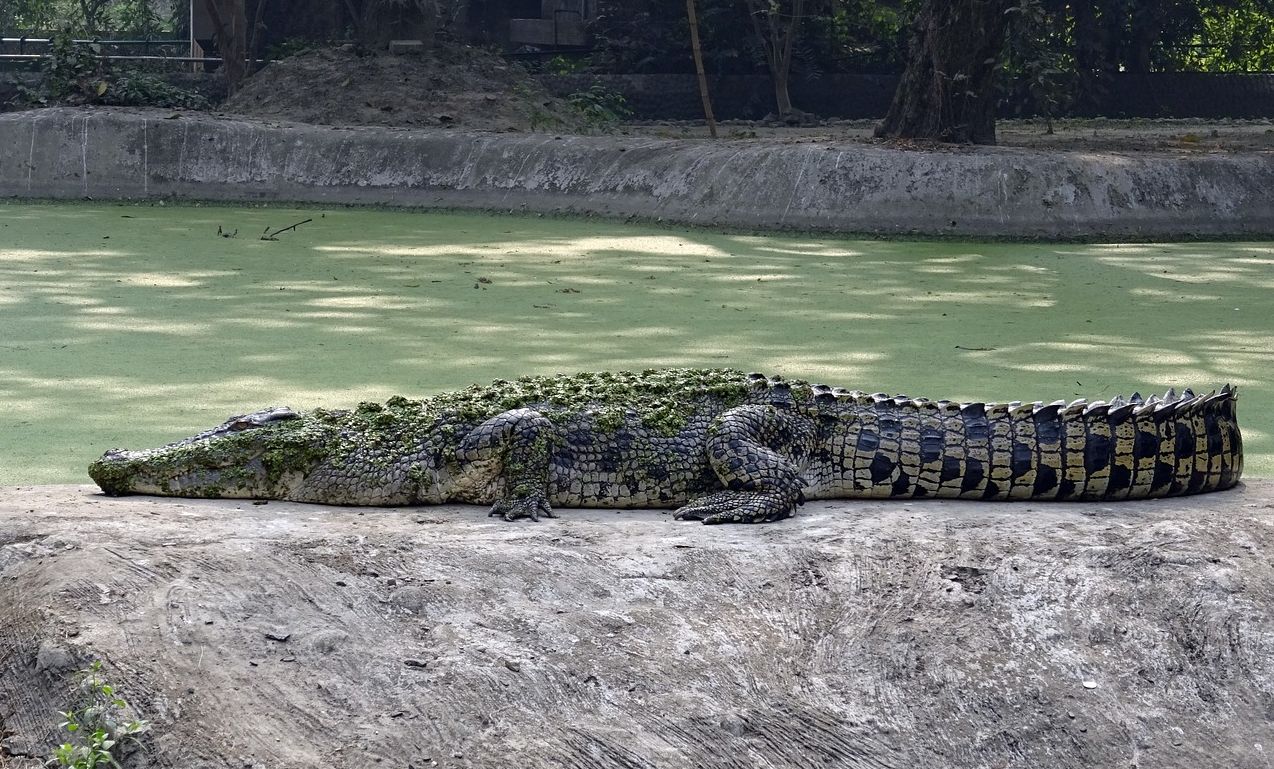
(111, 473)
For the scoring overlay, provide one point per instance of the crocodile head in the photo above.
(267, 454)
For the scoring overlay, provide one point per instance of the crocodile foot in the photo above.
(741, 507)
(531, 506)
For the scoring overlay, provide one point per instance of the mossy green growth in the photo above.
(250, 461)
(660, 399)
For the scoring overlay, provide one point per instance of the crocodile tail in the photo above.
(1126, 449)
(1167, 445)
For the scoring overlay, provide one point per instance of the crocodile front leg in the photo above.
(757, 452)
(522, 440)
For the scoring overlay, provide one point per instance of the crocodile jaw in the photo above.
(121, 472)
(255, 456)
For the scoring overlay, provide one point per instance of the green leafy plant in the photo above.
(562, 65)
(541, 119)
(1035, 58)
(142, 89)
(96, 730)
(76, 73)
(599, 106)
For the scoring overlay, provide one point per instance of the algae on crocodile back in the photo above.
(128, 325)
(656, 397)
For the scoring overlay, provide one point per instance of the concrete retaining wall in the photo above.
(117, 154)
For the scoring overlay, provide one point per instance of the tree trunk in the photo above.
(777, 37)
(947, 91)
(230, 31)
(782, 97)
(697, 52)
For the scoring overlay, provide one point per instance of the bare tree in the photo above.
(777, 24)
(697, 52)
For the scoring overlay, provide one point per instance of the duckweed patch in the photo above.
(130, 326)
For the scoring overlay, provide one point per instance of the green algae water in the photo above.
(131, 326)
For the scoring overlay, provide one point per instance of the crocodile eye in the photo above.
(261, 418)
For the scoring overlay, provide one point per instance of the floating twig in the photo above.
(267, 235)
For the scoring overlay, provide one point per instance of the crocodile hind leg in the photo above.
(756, 451)
(522, 440)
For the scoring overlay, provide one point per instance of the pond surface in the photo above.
(131, 326)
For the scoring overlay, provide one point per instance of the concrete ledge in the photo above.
(126, 154)
(883, 634)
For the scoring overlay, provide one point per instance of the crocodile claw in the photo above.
(740, 507)
(531, 506)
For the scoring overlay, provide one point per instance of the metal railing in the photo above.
(33, 49)
(144, 43)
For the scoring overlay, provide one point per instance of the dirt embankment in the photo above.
(859, 634)
(457, 86)
(453, 86)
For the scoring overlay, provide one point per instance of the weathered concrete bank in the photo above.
(65, 153)
(868, 634)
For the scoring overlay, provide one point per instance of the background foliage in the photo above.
(90, 18)
(636, 36)
(1060, 56)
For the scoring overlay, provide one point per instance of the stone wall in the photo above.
(817, 186)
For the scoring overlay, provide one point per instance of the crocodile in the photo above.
(717, 445)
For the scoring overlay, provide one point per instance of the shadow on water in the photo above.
(133, 326)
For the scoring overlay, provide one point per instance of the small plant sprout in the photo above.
(96, 730)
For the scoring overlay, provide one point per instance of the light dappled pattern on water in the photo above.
(130, 326)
